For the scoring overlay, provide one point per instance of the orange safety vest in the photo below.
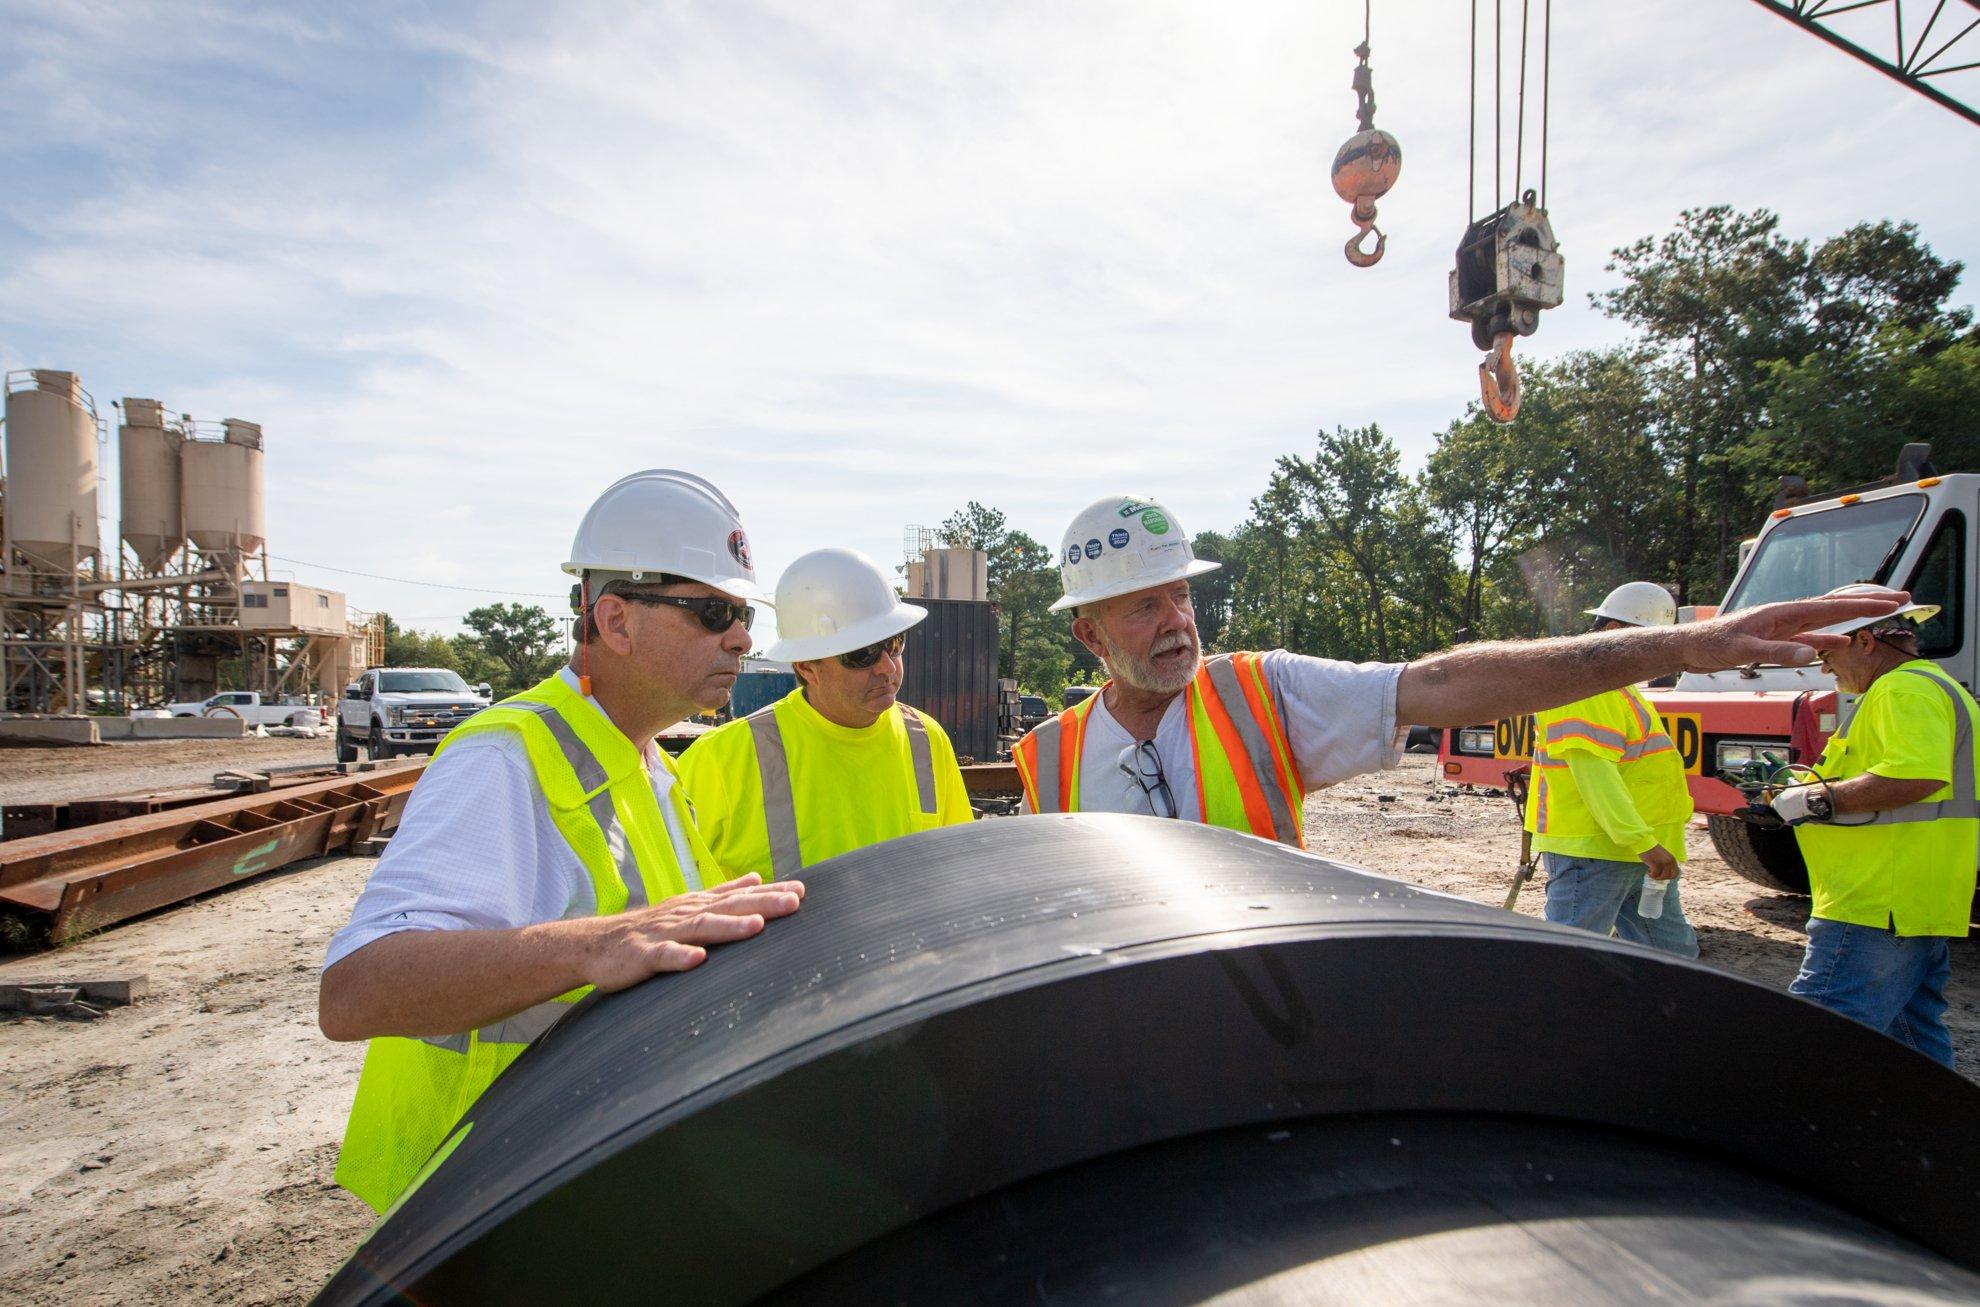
(1246, 776)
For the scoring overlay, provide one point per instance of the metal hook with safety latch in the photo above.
(1498, 380)
(1359, 257)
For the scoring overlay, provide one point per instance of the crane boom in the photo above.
(1918, 51)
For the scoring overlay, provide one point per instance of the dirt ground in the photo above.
(137, 766)
(181, 1150)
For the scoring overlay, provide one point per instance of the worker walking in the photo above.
(838, 763)
(547, 849)
(1239, 739)
(1609, 801)
(1889, 826)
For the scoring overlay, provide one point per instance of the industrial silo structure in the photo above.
(150, 447)
(51, 472)
(224, 515)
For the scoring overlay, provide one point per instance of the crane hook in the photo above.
(1359, 257)
(1498, 380)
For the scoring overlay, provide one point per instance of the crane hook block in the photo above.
(1508, 269)
(1364, 170)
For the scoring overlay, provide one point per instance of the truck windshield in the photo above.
(1813, 553)
(413, 682)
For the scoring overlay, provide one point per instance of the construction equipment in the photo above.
(1098, 1056)
(1368, 164)
(1516, 783)
(57, 886)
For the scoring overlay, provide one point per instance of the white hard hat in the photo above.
(1121, 544)
(833, 601)
(1640, 603)
(1919, 614)
(663, 522)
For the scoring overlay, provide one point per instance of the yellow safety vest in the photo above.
(1619, 726)
(1246, 776)
(1908, 869)
(784, 787)
(412, 1091)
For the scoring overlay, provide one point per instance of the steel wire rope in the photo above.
(1471, 143)
(1498, 103)
(406, 580)
(1546, 96)
(1519, 131)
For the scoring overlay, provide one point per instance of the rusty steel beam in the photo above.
(21, 820)
(68, 883)
(992, 779)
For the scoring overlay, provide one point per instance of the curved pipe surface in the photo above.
(979, 1006)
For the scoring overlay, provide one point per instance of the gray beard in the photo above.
(1140, 673)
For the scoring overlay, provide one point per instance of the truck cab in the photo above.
(1912, 531)
(395, 710)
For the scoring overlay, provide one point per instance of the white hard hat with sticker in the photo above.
(1121, 544)
(1906, 614)
(664, 522)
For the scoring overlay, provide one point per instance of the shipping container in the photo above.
(952, 673)
(759, 687)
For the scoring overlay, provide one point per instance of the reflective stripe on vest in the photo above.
(1236, 720)
(1965, 800)
(591, 775)
(522, 1028)
(773, 768)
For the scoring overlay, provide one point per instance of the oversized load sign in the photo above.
(1512, 738)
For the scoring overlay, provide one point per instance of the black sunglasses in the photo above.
(861, 659)
(716, 615)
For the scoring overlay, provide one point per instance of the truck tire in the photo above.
(347, 749)
(1769, 858)
(378, 749)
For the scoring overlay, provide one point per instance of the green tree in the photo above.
(404, 648)
(520, 639)
(1021, 578)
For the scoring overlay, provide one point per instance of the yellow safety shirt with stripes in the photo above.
(412, 1091)
(785, 787)
(1607, 781)
(1908, 869)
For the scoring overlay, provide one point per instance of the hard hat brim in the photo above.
(1916, 614)
(871, 631)
(1131, 585)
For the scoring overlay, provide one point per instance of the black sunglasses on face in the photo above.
(715, 615)
(861, 659)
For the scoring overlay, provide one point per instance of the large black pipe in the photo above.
(967, 1037)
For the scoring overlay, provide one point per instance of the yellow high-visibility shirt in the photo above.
(1914, 874)
(1607, 781)
(848, 787)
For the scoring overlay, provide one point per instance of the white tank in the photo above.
(51, 469)
(223, 498)
(148, 480)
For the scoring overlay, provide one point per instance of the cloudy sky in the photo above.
(858, 263)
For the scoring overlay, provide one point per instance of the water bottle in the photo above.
(1650, 901)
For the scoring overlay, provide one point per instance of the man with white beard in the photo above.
(1239, 739)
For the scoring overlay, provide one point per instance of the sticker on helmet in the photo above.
(1093, 549)
(1129, 507)
(1072, 552)
(739, 548)
(1154, 523)
(1118, 537)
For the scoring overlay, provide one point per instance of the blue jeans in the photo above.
(1891, 983)
(1598, 895)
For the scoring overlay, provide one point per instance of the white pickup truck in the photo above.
(254, 708)
(393, 710)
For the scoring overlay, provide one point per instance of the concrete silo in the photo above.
(51, 471)
(224, 511)
(150, 446)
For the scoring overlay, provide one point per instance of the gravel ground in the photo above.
(139, 766)
(181, 1150)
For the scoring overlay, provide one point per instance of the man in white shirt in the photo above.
(1238, 740)
(548, 851)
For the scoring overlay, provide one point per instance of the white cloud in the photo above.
(857, 263)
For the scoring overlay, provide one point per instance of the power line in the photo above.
(402, 580)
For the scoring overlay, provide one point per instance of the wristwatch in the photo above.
(1819, 806)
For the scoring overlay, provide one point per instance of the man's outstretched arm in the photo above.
(1480, 682)
(443, 982)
